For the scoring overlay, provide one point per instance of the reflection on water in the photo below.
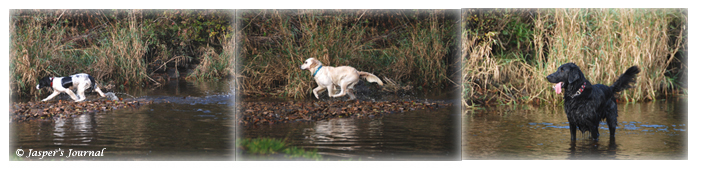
(197, 124)
(655, 130)
(415, 135)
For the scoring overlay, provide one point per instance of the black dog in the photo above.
(586, 104)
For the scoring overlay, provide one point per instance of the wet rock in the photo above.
(111, 96)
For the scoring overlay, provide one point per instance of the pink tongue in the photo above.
(557, 87)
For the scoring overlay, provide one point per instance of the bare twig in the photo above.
(156, 82)
(166, 64)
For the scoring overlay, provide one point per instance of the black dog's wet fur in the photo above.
(595, 103)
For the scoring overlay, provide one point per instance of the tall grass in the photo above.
(602, 42)
(216, 65)
(40, 48)
(32, 47)
(120, 57)
(121, 47)
(408, 46)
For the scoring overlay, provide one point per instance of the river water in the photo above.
(651, 130)
(195, 121)
(189, 121)
(431, 134)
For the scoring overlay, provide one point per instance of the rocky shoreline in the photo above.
(264, 113)
(49, 110)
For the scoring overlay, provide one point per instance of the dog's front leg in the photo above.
(99, 92)
(73, 96)
(54, 94)
(572, 129)
(80, 94)
(318, 90)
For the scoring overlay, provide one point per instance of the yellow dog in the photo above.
(344, 76)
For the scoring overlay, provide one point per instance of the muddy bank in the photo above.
(63, 109)
(259, 113)
(24, 111)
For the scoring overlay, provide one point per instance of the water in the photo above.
(414, 135)
(654, 130)
(194, 121)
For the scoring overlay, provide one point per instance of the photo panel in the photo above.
(361, 84)
(127, 85)
(591, 84)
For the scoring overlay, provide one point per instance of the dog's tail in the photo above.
(370, 77)
(93, 83)
(626, 80)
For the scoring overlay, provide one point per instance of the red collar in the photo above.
(51, 82)
(583, 86)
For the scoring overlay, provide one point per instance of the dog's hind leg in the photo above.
(347, 83)
(331, 90)
(612, 123)
(350, 92)
(611, 128)
(343, 89)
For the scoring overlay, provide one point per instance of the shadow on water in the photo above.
(653, 130)
(193, 121)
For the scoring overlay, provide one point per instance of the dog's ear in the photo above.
(44, 80)
(573, 76)
(574, 73)
(313, 63)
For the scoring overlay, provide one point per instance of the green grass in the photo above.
(14, 157)
(269, 146)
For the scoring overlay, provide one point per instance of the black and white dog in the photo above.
(81, 82)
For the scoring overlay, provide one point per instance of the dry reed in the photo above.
(115, 46)
(409, 47)
(602, 42)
